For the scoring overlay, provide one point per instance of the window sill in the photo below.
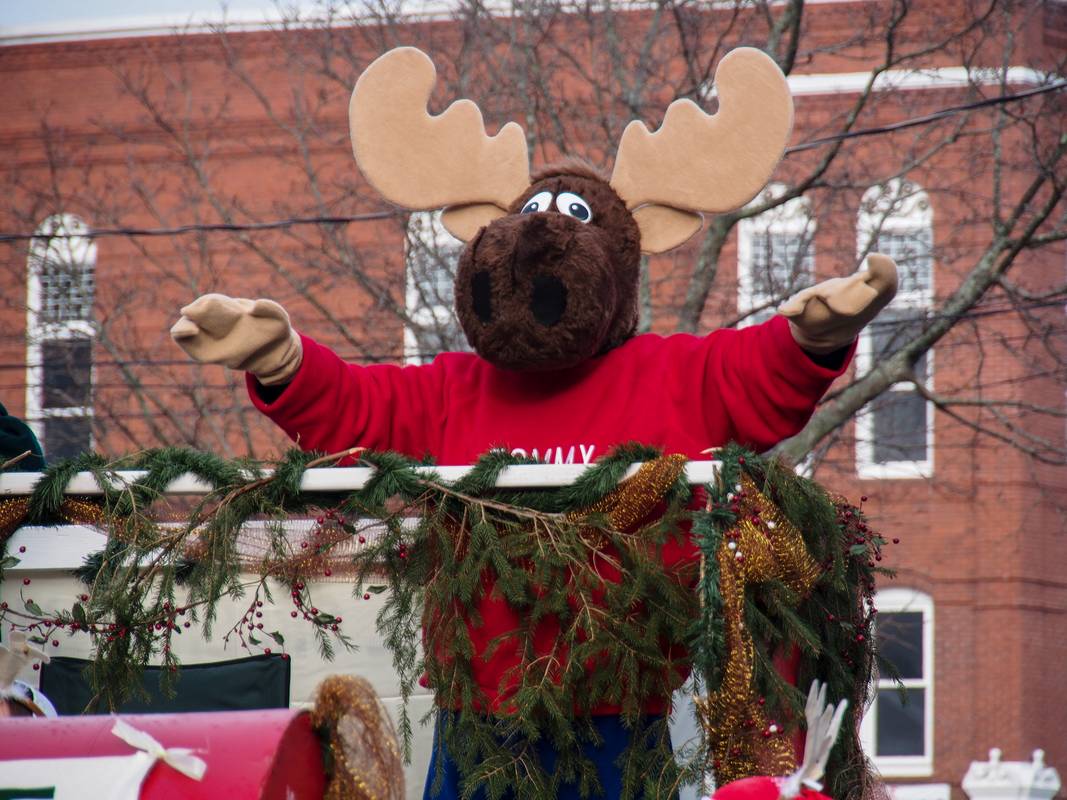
(920, 791)
(896, 470)
(904, 766)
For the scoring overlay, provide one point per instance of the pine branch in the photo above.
(436, 551)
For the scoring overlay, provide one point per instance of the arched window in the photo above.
(431, 255)
(895, 432)
(775, 255)
(898, 728)
(59, 336)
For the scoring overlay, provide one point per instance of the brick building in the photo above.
(158, 129)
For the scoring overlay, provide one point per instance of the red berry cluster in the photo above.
(301, 599)
(43, 627)
(862, 547)
(250, 623)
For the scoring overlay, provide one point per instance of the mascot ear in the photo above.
(464, 222)
(663, 228)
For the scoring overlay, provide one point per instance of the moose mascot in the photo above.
(547, 295)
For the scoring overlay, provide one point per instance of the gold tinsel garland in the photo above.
(762, 546)
(74, 511)
(636, 497)
(361, 739)
(325, 550)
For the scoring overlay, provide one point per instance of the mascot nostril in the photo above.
(480, 296)
(548, 301)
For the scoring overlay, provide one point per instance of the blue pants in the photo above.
(616, 737)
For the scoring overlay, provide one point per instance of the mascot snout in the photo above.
(554, 282)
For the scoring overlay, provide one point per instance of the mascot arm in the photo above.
(319, 400)
(760, 387)
(250, 335)
(830, 315)
(331, 405)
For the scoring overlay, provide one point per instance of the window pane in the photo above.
(761, 316)
(66, 436)
(900, 641)
(781, 263)
(892, 329)
(912, 250)
(901, 729)
(438, 337)
(432, 256)
(66, 290)
(431, 272)
(67, 373)
(899, 427)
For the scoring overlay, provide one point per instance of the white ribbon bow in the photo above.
(180, 758)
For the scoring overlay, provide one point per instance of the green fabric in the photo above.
(240, 685)
(15, 439)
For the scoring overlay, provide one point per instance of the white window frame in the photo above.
(897, 207)
(792, 218)
(899, 599)
(920, 791)
(425, 227)
(61, 237)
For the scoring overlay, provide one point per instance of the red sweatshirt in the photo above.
(680, 393)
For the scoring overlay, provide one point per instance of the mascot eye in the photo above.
(539, 202)
(573, 205)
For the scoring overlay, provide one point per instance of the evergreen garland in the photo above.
(548, 551)
(830, 628)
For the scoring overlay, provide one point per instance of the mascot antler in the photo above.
(702, 163)
(421, 161)
(695, 163)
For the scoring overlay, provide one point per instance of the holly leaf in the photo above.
(78, 612)
(376, 589)
(253, 639)
(857, 550)
(277, 636)
(38, 640)
(33, 608)
(9, 562)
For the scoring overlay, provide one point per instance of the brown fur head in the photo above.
(550, 279)
(553, 282)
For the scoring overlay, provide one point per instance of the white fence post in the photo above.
(1011, 780)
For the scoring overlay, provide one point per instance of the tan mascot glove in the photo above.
(250, 335)
(830, 315)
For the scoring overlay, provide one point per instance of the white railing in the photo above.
(339, 479)
(64, 547)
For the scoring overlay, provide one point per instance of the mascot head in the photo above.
(549, 275)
